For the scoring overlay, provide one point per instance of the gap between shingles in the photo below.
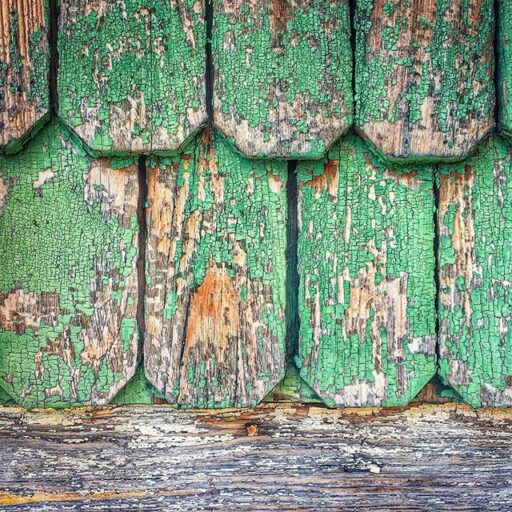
(53, 33)
(209, 76)
(437, 265)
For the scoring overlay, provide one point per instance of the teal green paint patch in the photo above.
(475, 309)
(138, 85)
(366, 268)
(66, 246)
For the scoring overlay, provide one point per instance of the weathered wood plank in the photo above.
(215, 303)
(282, 75)
(445, 458)
(367, 291)
(504, 64)
(138, 85)
(475, 309)
(24, 70)
(424, 75)
(68, 285)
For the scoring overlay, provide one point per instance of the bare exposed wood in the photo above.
(475, 310)
(24, 69)
(444, 457)
(138, 85)
(424, 75)
(367, 291)
(68, 280)
(282, 75)
(215, 299)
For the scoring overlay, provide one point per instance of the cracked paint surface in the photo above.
(24, 70)
(475, 310)
(138, 84)
(68, 285)
(216, 291)
(283, 75)
(424, 75)
(366, 267)
(504, 63)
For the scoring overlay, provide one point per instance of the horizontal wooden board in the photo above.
(132, 73)
(475, 308)
(424, 76)
(215, 299)
(290, 458)
(24, 70)
(282, 75)
(366, 268)
(68, 284)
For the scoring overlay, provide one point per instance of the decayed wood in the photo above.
(138, 85)
(215, 300)
(68, 280)
(24, 69)
(475, 310)
(424, 75)
(445, 458)
(282, 75)
(367, 291)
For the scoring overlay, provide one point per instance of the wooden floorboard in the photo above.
(279, 457)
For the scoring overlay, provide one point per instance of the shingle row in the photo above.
(289, 78)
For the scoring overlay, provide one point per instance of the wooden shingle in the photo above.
(68, 285)
(424, 76)
(24, 70)
(216, 297)
(366, 269)
(282, 75)
(475, 279)
(132, 73)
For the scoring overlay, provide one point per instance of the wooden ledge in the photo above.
(279, 456)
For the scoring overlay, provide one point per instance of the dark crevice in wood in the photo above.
(141, 261)
(54, 54)
(292, 278)
(437, 265)
(497, 104)
(209, 60)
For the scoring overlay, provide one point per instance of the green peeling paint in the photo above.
(64, 253)
(504, 64)
(283, 72)
(475, 312)
(367, 291)
(131, 73)
(424, 80)
(226, 230)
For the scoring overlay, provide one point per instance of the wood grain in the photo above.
(215, 300)
(366, 265)
(445, 458)
(24, 70)
(68, 285)
(424, 76)
(138, 85)
(282, 75)
(475, 309)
